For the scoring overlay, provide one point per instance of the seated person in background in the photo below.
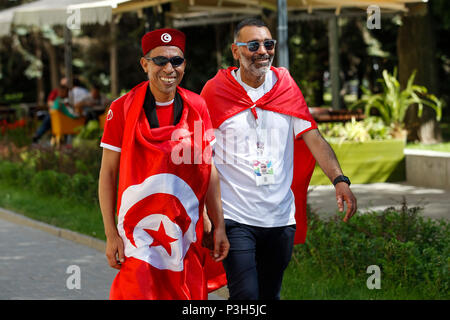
(94, 104)
(78, 94)
(55, 92)
(61, 103)
(46, 122)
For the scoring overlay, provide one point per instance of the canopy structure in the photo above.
(185, 13)
(194, 12)
(6, 18)
(51, 12)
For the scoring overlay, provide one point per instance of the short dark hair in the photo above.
(77, 82)
(248, 22)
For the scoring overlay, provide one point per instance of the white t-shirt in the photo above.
(79, 94)
(242, 200)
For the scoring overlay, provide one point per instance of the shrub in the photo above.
(411, 251)
(371, 128)
(83, 188)
(394, 101)
(9, 172)
(49, 182)
(64, 160)
(15, 132)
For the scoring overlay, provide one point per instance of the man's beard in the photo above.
(255, 68)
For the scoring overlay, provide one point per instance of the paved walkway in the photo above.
(378, 196)
(33, 265)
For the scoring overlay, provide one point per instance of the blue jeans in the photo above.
(44, 127)
(257, 259)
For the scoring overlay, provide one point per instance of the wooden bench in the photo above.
(331, 115)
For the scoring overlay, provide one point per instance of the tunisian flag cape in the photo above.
(225, 98)
(162, 188)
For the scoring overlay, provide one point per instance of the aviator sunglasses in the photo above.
(162, 61)
(254, 45)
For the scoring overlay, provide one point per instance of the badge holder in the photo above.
(263, 168)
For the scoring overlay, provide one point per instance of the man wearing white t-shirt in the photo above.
(259, 114)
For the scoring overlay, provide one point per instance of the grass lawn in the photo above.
(301, 282)
(60, 212)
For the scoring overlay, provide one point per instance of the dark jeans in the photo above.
(257, 259)
(44, 127)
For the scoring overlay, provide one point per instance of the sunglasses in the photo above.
(162, 61)
(253, 46)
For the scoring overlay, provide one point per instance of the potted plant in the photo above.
(372, 150)
(392, 103)
(366, 150)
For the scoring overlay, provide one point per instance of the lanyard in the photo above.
(259, 136)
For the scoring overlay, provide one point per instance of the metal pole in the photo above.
(283, 48)
(113, 61)
(333, 38)
(68, 59)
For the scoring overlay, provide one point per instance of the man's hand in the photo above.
(221, 244)
(344, 194)
(208, 237)
(115, 251)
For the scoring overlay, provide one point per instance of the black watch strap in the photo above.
(341, 178)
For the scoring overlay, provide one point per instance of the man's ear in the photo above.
(235, 51)
(144, 64)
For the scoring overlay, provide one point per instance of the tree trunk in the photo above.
(113, 62)
(415, 46)
(218, 38)
(333, 40)
(40, 88)
(53, 61)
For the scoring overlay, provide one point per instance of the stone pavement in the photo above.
(36, 262)
(378, 196)
(33, 265)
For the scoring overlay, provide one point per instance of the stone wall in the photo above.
(428, 168)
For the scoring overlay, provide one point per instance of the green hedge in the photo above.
(411, 251)
(79, 187)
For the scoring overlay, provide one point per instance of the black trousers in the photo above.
(257, 259)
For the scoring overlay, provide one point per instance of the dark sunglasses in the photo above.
(254, 45)
(162, 61)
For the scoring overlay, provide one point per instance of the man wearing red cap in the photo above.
(157, 141)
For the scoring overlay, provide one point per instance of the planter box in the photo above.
(428, 168)
(367, 162)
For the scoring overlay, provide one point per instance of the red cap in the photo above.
(163, 37)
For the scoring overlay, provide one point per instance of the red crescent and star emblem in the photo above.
(154, 237)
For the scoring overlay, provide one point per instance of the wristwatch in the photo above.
(341, 178)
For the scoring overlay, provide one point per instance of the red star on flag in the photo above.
(160, 238)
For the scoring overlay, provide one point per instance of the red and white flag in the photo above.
(225, 98)
(160, 205)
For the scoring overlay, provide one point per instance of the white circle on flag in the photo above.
(157, 256)
(165, 37)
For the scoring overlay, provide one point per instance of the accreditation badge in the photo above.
(263, 170)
